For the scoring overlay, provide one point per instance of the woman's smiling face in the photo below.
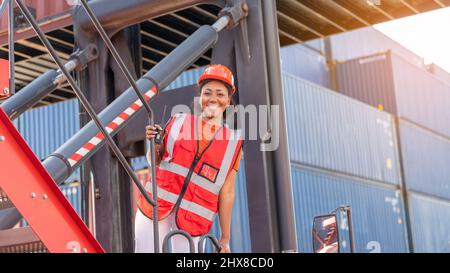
(214, 99)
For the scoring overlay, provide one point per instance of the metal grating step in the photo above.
(20, 240)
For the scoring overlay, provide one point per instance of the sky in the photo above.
(426, 34)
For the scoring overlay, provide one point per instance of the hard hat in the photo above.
(218, 72)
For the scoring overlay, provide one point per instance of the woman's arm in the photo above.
(159, 152)
(226, 200)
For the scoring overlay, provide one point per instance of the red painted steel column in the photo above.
(4, 79)
(38, 198)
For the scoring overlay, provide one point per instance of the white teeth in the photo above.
(213, 108)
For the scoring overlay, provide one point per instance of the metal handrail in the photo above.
(178, 232)
(212, 239)
(201, 249)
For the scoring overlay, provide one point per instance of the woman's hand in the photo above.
(152, 131)
(224, 246)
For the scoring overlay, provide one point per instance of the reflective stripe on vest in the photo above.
(196, 179)
(174, 133)
(228, 158)
(187, 205)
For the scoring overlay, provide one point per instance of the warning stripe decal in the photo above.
(92, 143)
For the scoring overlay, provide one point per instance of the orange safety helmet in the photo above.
(218, 72)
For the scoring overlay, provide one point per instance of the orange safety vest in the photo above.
(188, 183)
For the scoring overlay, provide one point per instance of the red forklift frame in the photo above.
(38, 198)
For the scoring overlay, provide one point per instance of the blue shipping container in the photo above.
(332, 131)
(305, 63)
(368, 41)
(377, 211)
(46, 128)
(439, 72)
(73, 194)
(139, 163)
(405, 90)
(430, 219)
(186, 78)
(317, 45)
(426, 160)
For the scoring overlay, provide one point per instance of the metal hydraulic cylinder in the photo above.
(30, 94)
(45, 84)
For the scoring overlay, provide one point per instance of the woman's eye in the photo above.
(220, 95)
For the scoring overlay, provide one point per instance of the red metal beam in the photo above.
(38, 198)
(4, 79)
(47, 26)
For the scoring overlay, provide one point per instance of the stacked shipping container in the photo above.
(334, 132)
(306, 63)
(426, 160)
(401, 88)
(368, 41)
(344, 152)
(420, 101)
(439, 72)
(377, 209)
(430, 223)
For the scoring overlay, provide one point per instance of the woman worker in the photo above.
(197, 162)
